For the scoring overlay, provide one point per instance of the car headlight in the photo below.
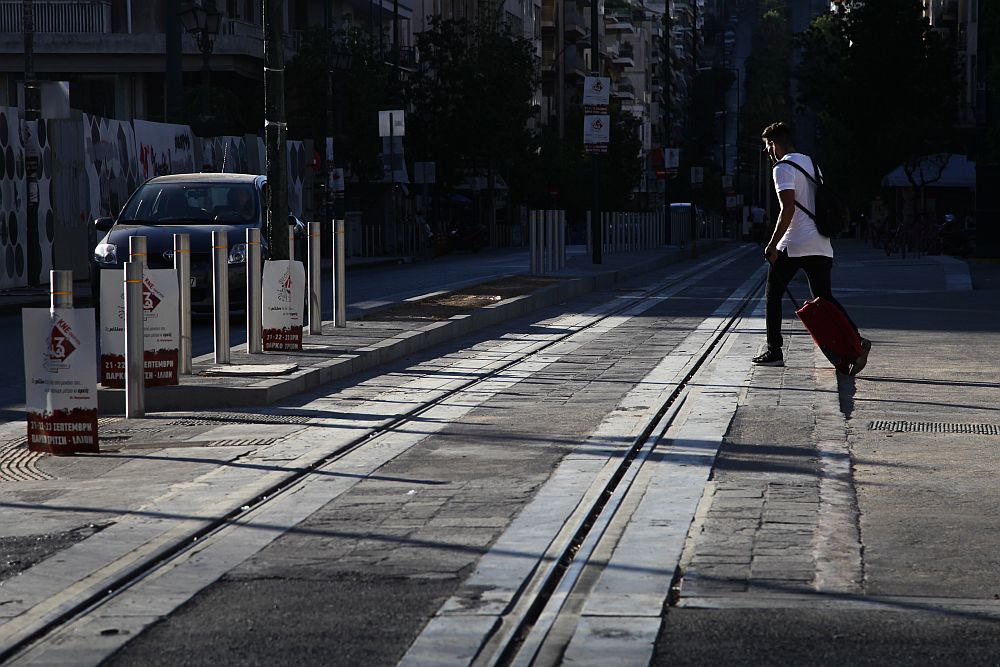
(238, 254)
(106, 253)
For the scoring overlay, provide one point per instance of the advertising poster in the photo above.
(283, 290)
(60, 373)
(161, 327)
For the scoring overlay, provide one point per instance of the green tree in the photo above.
(883, 88)
(768, 72)
(471, 100)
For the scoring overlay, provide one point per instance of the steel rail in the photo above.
(553, 579)
(118, 584)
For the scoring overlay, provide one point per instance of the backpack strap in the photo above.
(815, 180)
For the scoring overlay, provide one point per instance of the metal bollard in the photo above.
(220, 295)
(135, 367)
(532, 242)
(137, 250)
(550, 241)
(60, 289)
(255, 342)
(590, 240)
(182, 267)
(604, 233)
(314, 285)
(561, 243)
(339, 274)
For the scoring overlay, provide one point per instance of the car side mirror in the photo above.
(104, 224)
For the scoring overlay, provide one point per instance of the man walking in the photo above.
(795, 244)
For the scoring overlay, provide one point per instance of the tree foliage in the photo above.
(470, 98)
(768, 72)
(883, 88)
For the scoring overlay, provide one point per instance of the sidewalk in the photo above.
(853, 520)
(371, 338)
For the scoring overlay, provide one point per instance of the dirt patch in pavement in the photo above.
(443, 306)
(17, 554)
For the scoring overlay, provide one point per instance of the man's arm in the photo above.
(787, 200)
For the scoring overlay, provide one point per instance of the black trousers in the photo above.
(781, 272)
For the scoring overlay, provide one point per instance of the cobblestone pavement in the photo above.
(833, 534)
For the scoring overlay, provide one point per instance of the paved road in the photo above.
(821, 537)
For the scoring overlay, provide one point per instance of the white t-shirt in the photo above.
(801, 238)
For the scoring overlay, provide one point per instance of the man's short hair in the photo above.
(780, 132)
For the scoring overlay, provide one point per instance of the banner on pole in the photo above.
(161, 327)
(60, 373)
(283, 287)
(596, 133)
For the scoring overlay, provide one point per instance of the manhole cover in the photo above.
(17, 464)
(934, 427)
(220, 418)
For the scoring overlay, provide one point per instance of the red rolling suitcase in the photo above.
(832, 332)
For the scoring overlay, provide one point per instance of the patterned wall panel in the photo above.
(225, 154)
(13, 202)
(111, 165)
(163, 148)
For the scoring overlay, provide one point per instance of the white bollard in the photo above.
(339, 273)
(60, 289)
(182, 267)
(220, 294)
(561, 245)
(135, 367)
(314, 285)
(255, 336)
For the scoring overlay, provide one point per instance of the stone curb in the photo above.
(270, 390)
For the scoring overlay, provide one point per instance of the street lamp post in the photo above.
(338, 60)
(203, 22)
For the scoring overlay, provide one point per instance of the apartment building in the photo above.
(113, 53)
(958, 20)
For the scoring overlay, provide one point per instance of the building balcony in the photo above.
(624, 56)
(62, 16)
(573, 22)
(624, 90)
(619, 23)
(548, 21)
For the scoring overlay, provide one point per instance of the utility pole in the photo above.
(275, 128)
(667, 73)
(595, 203)
(327, 161)
(174, 86)
(32, 112)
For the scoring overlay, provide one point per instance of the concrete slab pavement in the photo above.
(852, 520)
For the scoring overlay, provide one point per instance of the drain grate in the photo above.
(231, 442)
(18, 464)
(934, 427)
(221, 418)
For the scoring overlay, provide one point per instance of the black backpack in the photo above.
(832, 214)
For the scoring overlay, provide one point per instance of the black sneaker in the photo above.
(861, 361)
(770, 358)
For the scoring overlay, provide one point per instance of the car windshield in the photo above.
(193, 203)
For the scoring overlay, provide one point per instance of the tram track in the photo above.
(38, 627)
(528, 637)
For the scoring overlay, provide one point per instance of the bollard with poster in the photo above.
(60, 373)
(283, 294)
(161, 321)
